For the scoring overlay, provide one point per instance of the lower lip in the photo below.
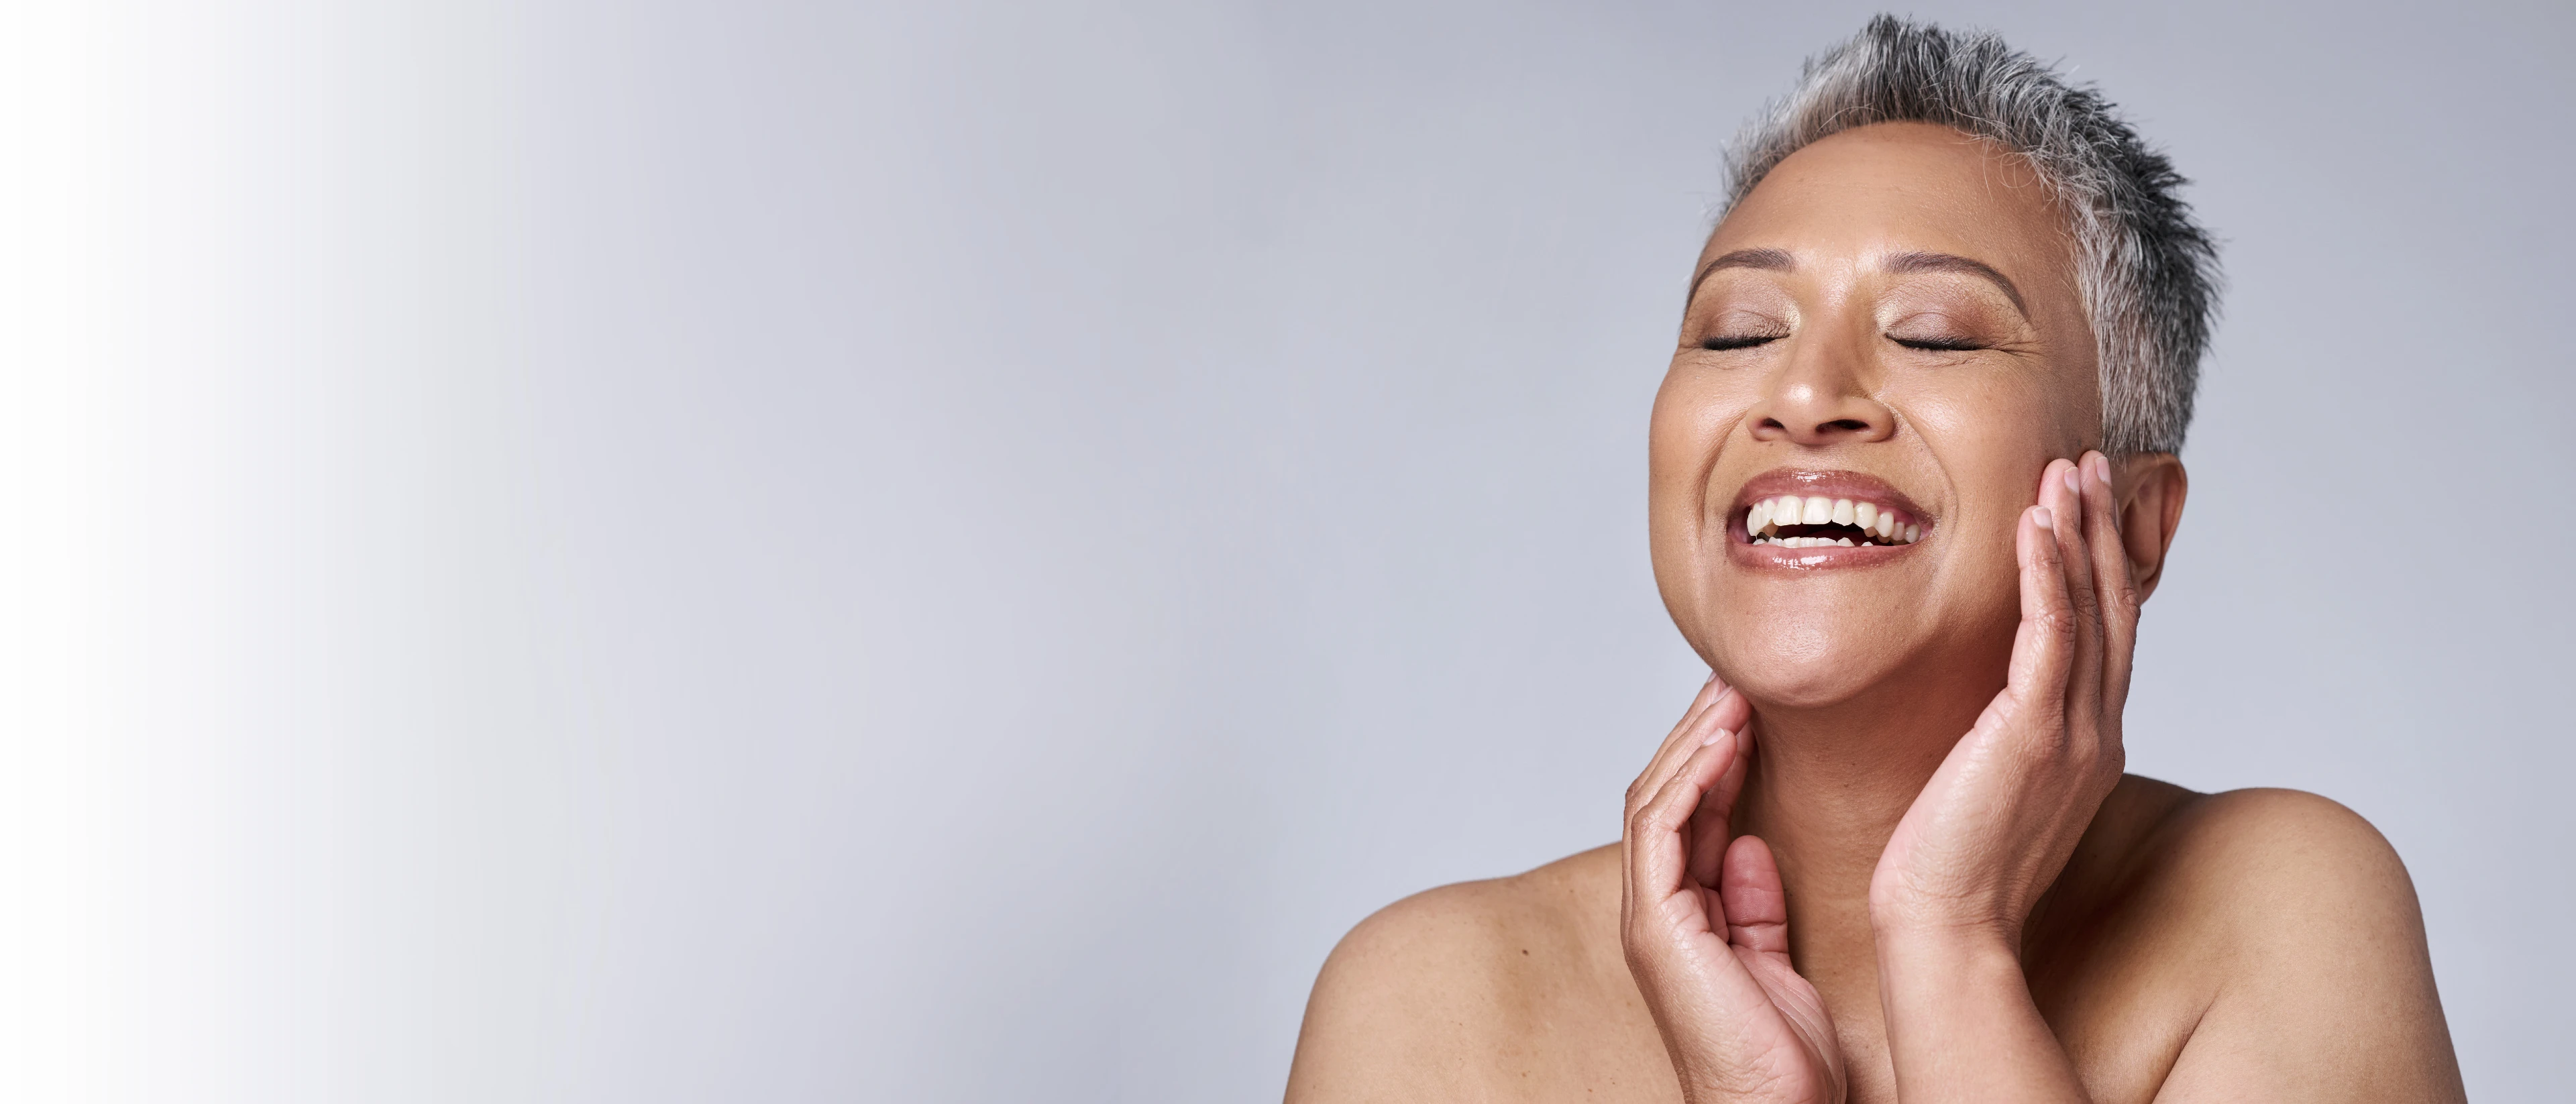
(1742, 549)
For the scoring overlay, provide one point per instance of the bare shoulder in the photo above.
(1446, 994)
(2302, 923)
(2278, 869)
(2285, 832)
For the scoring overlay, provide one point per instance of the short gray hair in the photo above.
(2148, 272)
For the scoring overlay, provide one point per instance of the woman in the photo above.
(1913, 471)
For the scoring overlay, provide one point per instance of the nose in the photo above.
(1820, 397)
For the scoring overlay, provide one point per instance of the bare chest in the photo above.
(2121, 1019)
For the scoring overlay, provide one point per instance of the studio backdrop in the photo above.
(569, 551)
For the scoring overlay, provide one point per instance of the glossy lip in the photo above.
(1829, 484)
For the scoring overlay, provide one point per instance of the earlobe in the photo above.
(2152, 488)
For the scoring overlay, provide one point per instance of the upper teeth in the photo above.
(1876, 524)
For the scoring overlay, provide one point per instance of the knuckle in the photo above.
(2079, 752)
(1637, 945)
(1641, 821)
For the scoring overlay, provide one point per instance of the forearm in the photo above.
(1961, 1025)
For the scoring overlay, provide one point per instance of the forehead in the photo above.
(1900, 187)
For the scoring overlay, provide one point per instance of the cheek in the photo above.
(1990, 439)
(1687, 430)
(1692, 417)
(1991, 425)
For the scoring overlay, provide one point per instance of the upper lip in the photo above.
(1807, 482)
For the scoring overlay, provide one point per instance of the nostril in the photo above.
(1848, 425)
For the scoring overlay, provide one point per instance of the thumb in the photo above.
(1757, 908)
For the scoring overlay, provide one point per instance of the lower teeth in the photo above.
(1815, 542)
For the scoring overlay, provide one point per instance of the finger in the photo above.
(2063, 493)
(1680, 796)
(1710, 827)
(2118, 591)
(1711, 691)
(1661, 764)
(1757, 905)
(2044, 645)
(1729, 712)
(1706, 834)
(1656, 857)
(1716, 702)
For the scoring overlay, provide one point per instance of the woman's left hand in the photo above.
(1997, 822)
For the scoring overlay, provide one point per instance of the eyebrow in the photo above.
(1778, 260)
(1903, 263)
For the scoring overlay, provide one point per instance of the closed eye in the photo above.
(1937, 344)
(1724, 342)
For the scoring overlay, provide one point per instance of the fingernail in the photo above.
(2101, 469)
(2071, 484)
(1712, 678)
(2045, 519)
(1714, 735)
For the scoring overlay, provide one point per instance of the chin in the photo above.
(1805, 665)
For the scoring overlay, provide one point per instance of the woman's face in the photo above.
(1890, 320)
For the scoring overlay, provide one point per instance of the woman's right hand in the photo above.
(1705, 924)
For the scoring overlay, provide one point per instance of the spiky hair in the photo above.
(2147, 271)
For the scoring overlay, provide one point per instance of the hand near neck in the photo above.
(1827, 788)
(1895, 846)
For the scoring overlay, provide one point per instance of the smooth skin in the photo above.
(1888, 852)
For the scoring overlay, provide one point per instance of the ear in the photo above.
(2151, 487)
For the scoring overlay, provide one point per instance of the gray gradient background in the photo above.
(757, 551)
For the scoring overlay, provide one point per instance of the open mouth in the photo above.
(1810, 521)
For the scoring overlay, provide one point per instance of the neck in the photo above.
(1826, 790)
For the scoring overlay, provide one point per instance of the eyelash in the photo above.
(1934, 345)
(1937, 345)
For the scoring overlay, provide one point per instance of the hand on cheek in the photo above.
(1997, 821)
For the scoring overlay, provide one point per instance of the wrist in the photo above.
(1961, 1021)
(1927, 921)
(1953, 973)
(1934, 940)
